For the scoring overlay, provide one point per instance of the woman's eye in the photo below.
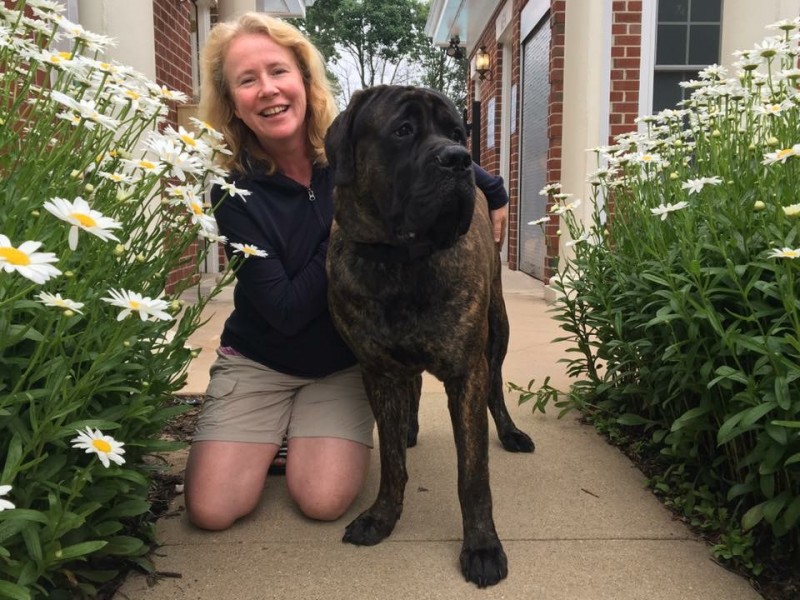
(404, 130)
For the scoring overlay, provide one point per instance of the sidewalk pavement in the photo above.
(575, 517)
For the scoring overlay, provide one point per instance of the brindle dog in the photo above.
(415, 286)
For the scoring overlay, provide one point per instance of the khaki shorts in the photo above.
(248, 402)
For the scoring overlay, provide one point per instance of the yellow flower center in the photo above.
(791, 254)
(101, 445)
(132, 94)
(785, 152)
(249, 250)
(189, 140)
(146, 164)
(134, 304)
(15, 257)
(83, 219)
(196, 208)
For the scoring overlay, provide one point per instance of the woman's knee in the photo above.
(209, 518)
(320, 504)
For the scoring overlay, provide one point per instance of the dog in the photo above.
(414, 285)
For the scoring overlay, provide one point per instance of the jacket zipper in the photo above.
(313, 199)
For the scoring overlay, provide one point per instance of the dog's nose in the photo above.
(454, 157)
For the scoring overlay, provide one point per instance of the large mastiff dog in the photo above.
(415, 286)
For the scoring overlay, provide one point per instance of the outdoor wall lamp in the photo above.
(454, 50)
(482, 63)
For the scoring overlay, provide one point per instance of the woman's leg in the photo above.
(330, 436)
(324, 475)
(224, 481)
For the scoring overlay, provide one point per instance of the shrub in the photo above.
(99, 202)
(681, 299)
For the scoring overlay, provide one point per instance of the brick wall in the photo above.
(626, 49)
(173, 48)
(558, 14)
(492, 88)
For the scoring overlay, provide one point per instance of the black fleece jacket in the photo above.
(280, 317)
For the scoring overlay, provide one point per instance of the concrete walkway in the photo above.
(576, 519)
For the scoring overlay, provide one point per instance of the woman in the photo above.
(282, 369)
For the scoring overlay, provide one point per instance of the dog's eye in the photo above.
(404, 130)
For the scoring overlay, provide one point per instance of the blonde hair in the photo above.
(216, 104)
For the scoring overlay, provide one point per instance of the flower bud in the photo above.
(75, 174)
(119, 249)
(141, 258)
(69, 274)
(68, 313)
(772, 141)
(716, 133)
(89, 188)
(35, 213)
(126, 343)
(759, 205)
(673, 176)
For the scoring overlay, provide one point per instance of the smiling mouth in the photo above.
(271, 112)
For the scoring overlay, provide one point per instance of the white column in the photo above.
(230, 9)
(130, 24)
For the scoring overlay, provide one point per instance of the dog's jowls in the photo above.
(414, 285)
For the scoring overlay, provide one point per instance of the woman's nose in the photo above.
(266, 86)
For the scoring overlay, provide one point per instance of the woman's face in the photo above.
(267, 89)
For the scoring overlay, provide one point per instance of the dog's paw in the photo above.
(484, 566)
(367, 530)
(516, 440)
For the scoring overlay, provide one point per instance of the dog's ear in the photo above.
(339, 148)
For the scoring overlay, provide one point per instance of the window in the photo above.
(687, 41)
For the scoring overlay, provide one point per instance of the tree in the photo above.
(369, 42)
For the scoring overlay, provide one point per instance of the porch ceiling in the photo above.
(464, 18)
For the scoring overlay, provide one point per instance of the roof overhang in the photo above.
(284, 8)
(465, 18)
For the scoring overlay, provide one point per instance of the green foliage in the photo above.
(681, 298)
(385, 42)
(89, 340)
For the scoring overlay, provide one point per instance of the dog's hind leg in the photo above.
(413, 413)
(512, 438)
(390, 400)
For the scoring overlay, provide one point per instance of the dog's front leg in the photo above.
(483, 560)
(390, 401)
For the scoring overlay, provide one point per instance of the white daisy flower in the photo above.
(5, 504)
(248, 250)
(541, 221)
(57, 301)
(792, 210)
(696, 185)
(560, 210)
(176, 161)
(583, 238)
(26, 261)
(550, 188)
(104, 446)
(780, 156)
(212, 236)
(785, 253)
(80, 216)
(231, 188)
(134, 302)
(199, 215)
(663, 210)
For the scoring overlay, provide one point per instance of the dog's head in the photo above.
(401, 170)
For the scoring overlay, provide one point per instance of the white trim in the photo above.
(533, 12)
(647, 61)
(604, 126)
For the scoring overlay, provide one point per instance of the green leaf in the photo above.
(81, 549)
(757, 412)
(753, 517)
(123, 545)
(792, 514)
(12, 591)
(689, 416)
(633, 419)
